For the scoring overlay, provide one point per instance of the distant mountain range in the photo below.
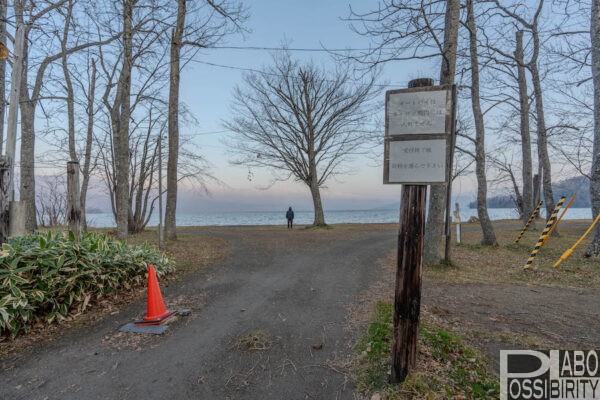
(579, 185)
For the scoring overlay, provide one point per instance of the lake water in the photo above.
(306, 217)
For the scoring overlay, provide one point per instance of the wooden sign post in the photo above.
(417, 147)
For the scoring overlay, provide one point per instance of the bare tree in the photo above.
(88, 166)
(144, 165)
(210, 22)
(527, 205)
(410, 30)
(51, 201)
(3, 13)
(533, 28)
(489, 237)
(149, 123)
(140, 51)
(594, 248)
(120, 114)
(39, 20)
(300, 120)
(507, 173)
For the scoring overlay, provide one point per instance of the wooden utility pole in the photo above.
(73, 198)
(417, 152)
(407, 299)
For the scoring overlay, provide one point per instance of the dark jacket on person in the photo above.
(289, 214)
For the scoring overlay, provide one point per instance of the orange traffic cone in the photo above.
(156, 312)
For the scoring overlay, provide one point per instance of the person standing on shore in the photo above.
(290, 218)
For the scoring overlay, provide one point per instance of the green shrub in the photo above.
(46, 276)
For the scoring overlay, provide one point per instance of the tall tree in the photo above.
(533, 27)
(210, 22)
(120, 115)
(173, 122)
(35, 17)
(88, 166)
(412, 30)
(527, 171)
(434, 230)
(300, 120)
(3, 12)
(594, 249)
(489, 237)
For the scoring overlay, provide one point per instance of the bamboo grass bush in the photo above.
(44, 277)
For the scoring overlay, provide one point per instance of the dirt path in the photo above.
(293, 286)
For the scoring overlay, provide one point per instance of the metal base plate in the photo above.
(150, 329)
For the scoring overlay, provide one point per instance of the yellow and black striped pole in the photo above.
(542, 238)
(567, 253)
(559, 218)
(535, 213)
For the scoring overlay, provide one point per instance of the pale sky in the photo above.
(207, 91)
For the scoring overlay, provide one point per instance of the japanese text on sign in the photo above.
(417, 112)
(417, 161)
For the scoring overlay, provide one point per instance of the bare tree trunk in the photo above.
(543, 156)
(528, 203)
(27, 176)
(87, 157)
(315, 192)
(542, 136)
(27, 107)
(594, 248)
(121, 116)
(73, 198)
(172, 161)
(489, 237)
(3, 8)
(69, 86)
(434, 231)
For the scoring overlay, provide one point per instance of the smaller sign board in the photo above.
(417, 135)
(416, 161)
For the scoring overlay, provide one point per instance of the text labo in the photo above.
(550, 374)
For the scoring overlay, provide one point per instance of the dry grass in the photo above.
(254, 341)
(473, 262)
(191, 251)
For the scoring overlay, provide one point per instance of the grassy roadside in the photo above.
(447, 366)
(473, 262)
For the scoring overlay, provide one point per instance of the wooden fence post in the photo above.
(5, 169)
(73, 199)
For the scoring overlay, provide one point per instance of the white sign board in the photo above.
(414, 161)
(418, 130)
(413, 113)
